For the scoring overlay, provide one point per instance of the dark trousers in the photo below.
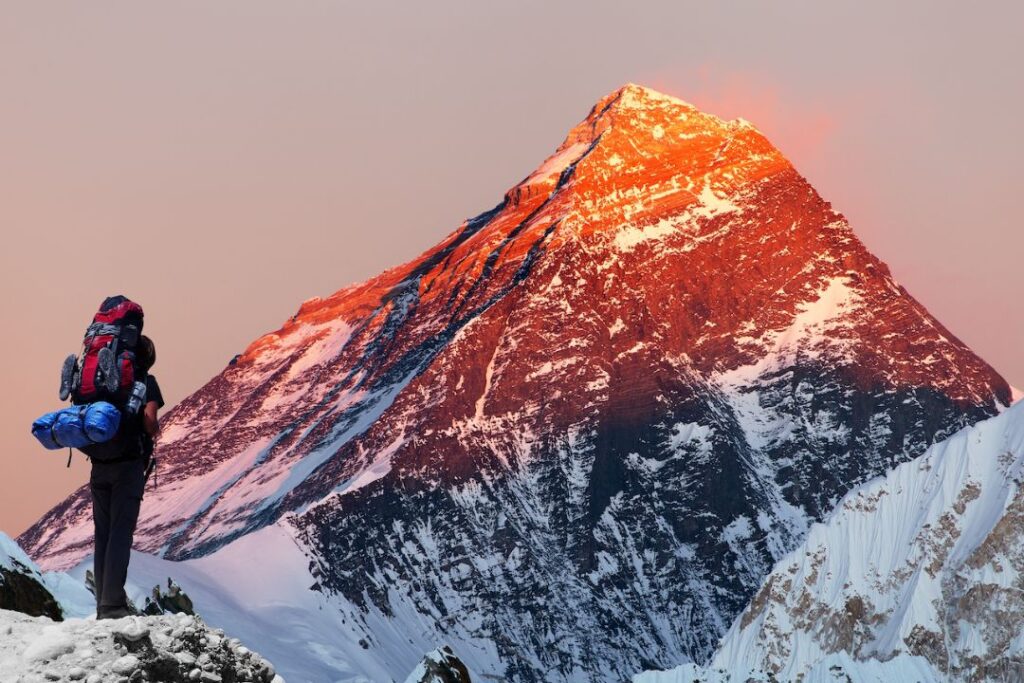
(116, 495)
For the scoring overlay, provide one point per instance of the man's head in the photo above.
(145, 354)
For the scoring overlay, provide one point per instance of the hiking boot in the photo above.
(67, 376)
(118, 612)
(108, 369)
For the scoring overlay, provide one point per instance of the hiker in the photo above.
(117, 486)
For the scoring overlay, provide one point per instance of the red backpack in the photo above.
(106, 369)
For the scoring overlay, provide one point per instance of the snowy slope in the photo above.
(575, 435)
(918, 575)
(258, 590)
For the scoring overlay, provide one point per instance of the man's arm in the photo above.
(149, 419)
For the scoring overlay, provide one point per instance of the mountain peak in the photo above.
(634, 95)
(640, 155)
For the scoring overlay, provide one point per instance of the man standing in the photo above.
(117, 487)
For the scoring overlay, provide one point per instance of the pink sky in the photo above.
(222, 162)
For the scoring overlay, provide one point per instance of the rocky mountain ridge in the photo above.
(917, 575)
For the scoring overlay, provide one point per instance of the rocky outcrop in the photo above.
(21, 592)
(440, 666)
(178, 649)
(21, 585)
(172, 600)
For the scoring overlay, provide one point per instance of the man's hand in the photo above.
(149, 419)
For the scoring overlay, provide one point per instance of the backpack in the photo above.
(106, 369)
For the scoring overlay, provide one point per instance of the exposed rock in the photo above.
(172, 601)
(21, 592)
(440, 666)
(21, 584)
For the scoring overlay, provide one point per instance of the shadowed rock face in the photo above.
(21, 584)
(583, 427)
(21, 592)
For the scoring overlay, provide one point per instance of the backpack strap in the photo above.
(102, 329)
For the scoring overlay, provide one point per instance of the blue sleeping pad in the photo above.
(77, 426)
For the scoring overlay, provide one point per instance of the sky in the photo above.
(222, 162)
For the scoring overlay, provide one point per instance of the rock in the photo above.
(51, 675)
(132, 633)
(22, 591)
(267, 669)
(125, 665)
(133, 639)
(440, 666)
(94, 678)
(76, 673)
(50, 644)
(194, 674)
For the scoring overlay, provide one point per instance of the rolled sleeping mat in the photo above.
(42, 429)
(78, 426)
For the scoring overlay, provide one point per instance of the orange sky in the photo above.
(222, 162)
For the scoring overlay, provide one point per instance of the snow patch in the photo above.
(708, 205)
(377, 469)
(488, 376)
(50, 643)
(812, 329)
(685, 433)
(557, 163)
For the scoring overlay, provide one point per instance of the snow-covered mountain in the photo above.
(572, 439)
(916, 576)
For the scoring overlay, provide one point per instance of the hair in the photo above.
(145, 353)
